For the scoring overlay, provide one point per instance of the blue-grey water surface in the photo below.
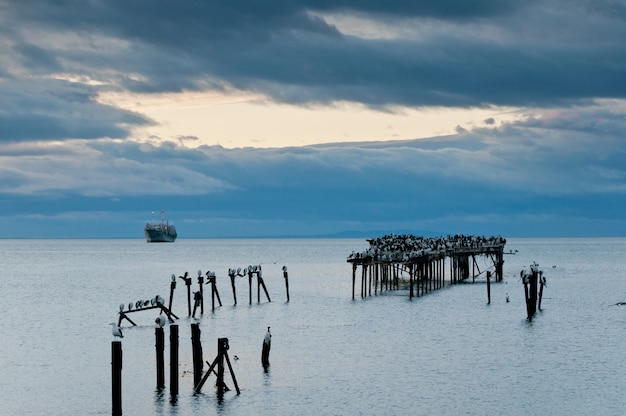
(447, 353)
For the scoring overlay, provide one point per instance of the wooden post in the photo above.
(222, 347)
(286, 276)
(116, 377)
(232, 284)
(196, 349)
(488, 288)
(542, 282)
(200, 283)
(411, 282)
(172, 287)
(250, 285)
(353, 278)
(196, 302)
(262, 283)
(160, 361)
(188, 284)
(174, 360)
(265, 353)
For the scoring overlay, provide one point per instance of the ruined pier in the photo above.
(393, 262)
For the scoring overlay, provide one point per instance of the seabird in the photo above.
(116, 330)
(507, 297)
(160, 321)
(268, 337)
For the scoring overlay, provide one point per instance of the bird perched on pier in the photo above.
(160, 321)
(116, 330)
(268, 337)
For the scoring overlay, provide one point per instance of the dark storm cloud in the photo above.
(468, 53)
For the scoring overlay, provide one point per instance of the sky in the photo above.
(312, 118)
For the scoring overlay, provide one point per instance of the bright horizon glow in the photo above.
(244, 120)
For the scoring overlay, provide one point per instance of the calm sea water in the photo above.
(448, 353)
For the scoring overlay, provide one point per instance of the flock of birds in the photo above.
(158, 300)
(393, 247)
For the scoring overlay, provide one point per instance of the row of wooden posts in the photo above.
(425, 274)
(198, 296)
(198, 364)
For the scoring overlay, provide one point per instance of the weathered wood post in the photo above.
(196, 302)
(188, 284)
(525, 281)
(265, 352)
(286, 276)
(259, 277)
(488, 287)
(542, 282)
(160, 361)
(174, 360)
(200, 283)
(533, 288)
(250, 284)
(353, 277)
(232, 274)
(116, 377)
(172, 287)
(214, 291)
(222, 347)
(196, 350)
(411, 280)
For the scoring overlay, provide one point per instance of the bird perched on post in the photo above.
(265, 353)
(116, 330)
(160, 321)
(268, 337)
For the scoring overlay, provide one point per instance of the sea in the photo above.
(446, 353)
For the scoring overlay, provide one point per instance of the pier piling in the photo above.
(116, 377)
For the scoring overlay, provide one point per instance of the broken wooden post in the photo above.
(160, 361)
(222, 354)
(196, 349)
(232, 275)
(172, 287)
(116, 377)
(250, 283)
(542, 281)
(265, 353)
(197, 299)
(488, 287)
(174, 360)
(200, 282)
(188, 284)
(286, 276)
(260, 282)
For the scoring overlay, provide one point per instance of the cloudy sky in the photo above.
(247, 118)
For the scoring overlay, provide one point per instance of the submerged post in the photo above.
(542, 281)
(488, 288)
(286, 276)
(116, 377)
(200, 283)
(265, 353)
(172, 287)
(174, 360)
(196, 349)
(232, 274)
(160, 361)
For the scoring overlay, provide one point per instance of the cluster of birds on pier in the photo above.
(405, 247)
(232, 272)
(140, 304)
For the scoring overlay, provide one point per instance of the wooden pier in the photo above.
(394, 262)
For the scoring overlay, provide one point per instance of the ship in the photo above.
(160, 232)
